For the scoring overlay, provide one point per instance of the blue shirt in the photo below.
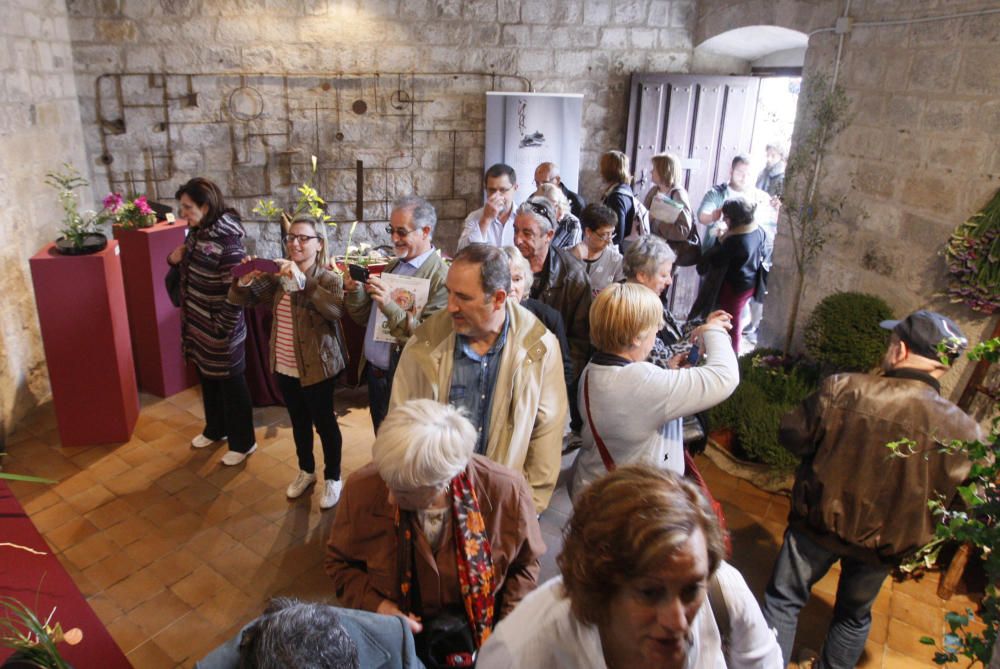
(473, 379)
(378, 352)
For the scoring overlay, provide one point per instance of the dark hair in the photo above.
(739, 158)
(596, 216)
(203, 192)
(422, 212)
(738, 211)
(501, 170)
(494, 266)
(291, 633)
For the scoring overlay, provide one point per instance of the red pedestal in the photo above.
(81, 309)
(154, 321)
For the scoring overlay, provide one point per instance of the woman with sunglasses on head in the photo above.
(306, 355)
(212, 329)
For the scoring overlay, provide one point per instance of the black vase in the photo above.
(92, 243)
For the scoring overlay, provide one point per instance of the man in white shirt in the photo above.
(493, 223)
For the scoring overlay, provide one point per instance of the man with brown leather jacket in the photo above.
(854, 503)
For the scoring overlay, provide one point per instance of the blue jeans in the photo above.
(800, 564)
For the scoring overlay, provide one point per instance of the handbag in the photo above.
(446, 641)
(680, 233)
(173, 283)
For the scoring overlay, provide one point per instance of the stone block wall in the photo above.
(917, 159)
(39, 130)
(194, 91)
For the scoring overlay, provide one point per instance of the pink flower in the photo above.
(113, 202)
(143, 206)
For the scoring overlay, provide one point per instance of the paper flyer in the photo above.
(409, 292)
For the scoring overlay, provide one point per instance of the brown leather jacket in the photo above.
(316, 312)
(361, 556)
(850, 495)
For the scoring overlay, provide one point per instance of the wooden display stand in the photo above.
(155, 323)
(81, 310)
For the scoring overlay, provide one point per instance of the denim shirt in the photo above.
(473, 379)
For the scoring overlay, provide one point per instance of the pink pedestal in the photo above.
(154, 321)
(81, 309)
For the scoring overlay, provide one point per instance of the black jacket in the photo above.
(554, 322)
(563, 285)
(576, 202)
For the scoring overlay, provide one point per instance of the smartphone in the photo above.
(694, 355)
(358, 272)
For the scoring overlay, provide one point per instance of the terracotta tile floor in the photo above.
(175, 552)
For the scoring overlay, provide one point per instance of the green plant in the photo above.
(771, 384)
(973, 255)
(809, 213)
(843, 332)
(34, 641)
(309, 202)
(76, 226)
(977, 523)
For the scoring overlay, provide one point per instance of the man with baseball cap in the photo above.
(852, 501)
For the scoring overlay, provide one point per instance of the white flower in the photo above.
(365, 247)
(351, 248)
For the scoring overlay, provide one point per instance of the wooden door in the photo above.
(706, 120)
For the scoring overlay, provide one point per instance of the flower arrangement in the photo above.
(33, 640)
(76, 226)
(973, 256)
(309, 202)
(129, 214)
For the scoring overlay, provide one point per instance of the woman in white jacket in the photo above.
(628, 404)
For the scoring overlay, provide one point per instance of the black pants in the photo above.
(379, 388)
(308, 406)
(228, 411)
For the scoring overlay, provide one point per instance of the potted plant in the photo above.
(129, 214)
(79, 234)
(973, 255)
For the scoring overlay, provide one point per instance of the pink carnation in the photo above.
(113, 202)
(143, 206)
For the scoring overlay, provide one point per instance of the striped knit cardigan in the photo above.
(212, 329)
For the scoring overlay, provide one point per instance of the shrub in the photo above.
(771, 384)
(843, 334)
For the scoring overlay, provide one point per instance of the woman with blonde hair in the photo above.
(618, 197)
(668, 195)
(568, 232)
(306, 355)
(643, 584)
(630, 406)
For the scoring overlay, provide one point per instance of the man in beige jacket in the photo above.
(496, 361)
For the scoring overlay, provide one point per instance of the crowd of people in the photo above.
(549, 330)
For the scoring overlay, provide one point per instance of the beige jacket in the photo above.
(528, 413)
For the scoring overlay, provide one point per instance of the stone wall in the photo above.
(39, 130)
(421, 128)
(918, 158)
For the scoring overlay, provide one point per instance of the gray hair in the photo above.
(518, 260)
(494, 268)
(542, 210)
(646, 255)
(422, 443)
(421, 211)
(298, 634)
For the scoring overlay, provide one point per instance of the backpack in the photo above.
(640, 216)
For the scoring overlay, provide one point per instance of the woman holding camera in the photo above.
(306, 355)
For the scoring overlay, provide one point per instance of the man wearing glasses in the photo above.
(411, 226)
(493, 223)
(548, 173)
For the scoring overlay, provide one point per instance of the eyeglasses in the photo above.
(502, 191)
(301, 239)
(606, 237)
(399, 232)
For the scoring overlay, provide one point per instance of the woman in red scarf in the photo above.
(433, 533)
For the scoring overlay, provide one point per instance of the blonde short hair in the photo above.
(553, 194)
(668, 166)
(615, 168)
(620, 313)
(422, 443)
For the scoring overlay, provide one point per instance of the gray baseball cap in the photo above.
(923, 331)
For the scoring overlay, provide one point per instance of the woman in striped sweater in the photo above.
(212, 329)
(306, 355)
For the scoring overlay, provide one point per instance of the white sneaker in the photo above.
(299, 485)
(201, 441)
(235, 457)
(331, 494)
